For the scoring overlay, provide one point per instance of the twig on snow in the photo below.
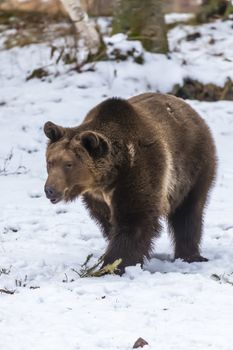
(4, 170)
(6, 291)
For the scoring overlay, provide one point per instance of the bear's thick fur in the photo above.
(135, 161)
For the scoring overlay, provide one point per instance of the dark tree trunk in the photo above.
(144, 21)
(211, 8)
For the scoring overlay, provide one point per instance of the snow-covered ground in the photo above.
(172, 305)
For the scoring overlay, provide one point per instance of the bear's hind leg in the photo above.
(186, 224)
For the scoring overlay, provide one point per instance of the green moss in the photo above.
(101, 55)
(144, 21)
(139, 59)
(190, 22)
(39, 73)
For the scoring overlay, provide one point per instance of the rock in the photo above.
(140, 343)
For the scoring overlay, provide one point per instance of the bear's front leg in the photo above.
(131, 240)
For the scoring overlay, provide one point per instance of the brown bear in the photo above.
(133, 162)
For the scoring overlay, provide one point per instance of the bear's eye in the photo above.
(49, 163)
(69, 165)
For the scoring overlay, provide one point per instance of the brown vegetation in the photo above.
(194, 90)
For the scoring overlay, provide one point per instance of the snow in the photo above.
(172, 305)
(171, 18)
(208, 59)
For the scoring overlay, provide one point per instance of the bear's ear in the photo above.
(53, 132)
(95, 143)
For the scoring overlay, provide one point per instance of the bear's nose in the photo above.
(50, 192)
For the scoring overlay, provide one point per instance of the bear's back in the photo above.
(178, 123)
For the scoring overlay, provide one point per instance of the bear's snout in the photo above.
(52, 194)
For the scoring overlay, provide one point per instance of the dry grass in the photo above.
(23, 28)
(97, 270)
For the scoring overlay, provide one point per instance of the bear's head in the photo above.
(77, 162)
